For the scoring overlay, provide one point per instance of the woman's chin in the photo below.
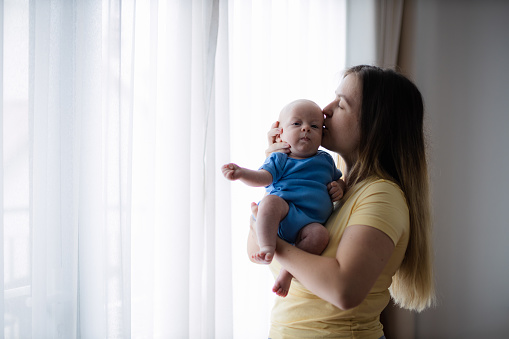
(325, 142)
(329, 147)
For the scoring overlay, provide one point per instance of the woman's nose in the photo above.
(327, 111)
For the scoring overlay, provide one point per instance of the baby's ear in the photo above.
(278, 137)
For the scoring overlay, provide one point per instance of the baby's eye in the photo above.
(314, 126)
(296, 124)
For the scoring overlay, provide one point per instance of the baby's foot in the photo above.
(264, 255)
(282, 284)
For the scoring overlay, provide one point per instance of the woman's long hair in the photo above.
(392, 147)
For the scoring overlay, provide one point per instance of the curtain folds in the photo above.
(374, 29)
(389, 15)
(2, 247)
(174, 171)
(116, 116)
(110, 217)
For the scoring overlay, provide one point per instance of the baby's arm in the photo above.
(258, 178)
(336, 189)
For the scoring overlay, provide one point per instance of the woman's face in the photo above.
(342, 130)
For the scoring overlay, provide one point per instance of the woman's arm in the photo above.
(346, 280)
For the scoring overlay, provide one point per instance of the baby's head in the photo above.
(301, 123)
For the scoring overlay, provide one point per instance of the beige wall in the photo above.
(457, 52)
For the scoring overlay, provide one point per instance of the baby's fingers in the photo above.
(226, 168)
(335, 192)
(332, 186)
(228, 171)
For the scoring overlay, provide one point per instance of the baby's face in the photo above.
(301, 125)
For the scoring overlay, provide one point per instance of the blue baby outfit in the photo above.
(302, 183)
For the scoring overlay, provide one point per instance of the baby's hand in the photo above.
(336, 190)
(231, 171)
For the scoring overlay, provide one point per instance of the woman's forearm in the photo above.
(321, 275)
(345, 280)
(318, 274)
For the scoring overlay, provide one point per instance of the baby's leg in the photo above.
(271, 211)
(312, 238)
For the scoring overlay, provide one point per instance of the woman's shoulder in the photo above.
(375, 202)
(381, 203)
(372, 186)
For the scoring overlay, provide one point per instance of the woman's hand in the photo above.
(252, 239)
(274, 144)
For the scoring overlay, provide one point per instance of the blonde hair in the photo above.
(392, 147)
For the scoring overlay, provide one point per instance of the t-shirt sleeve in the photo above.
(274, 164)
(383, 206)
(336, 173)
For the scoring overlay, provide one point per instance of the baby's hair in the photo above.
(288, 107)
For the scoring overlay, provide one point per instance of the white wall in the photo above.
(457, 52)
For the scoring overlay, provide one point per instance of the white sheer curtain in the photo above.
(181, 270)
(115, 118)
(110, 139)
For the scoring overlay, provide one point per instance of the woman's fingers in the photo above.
(252, 242)
(274, 145)
(273, 133)
(254, 209)
(278, 147)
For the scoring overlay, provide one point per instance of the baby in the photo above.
(297, 201)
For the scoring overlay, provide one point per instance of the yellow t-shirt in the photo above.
(380, 204)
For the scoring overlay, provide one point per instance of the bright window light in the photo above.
(279, 51)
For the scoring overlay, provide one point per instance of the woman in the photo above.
(380, 236)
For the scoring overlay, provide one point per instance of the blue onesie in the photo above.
(302, 183)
